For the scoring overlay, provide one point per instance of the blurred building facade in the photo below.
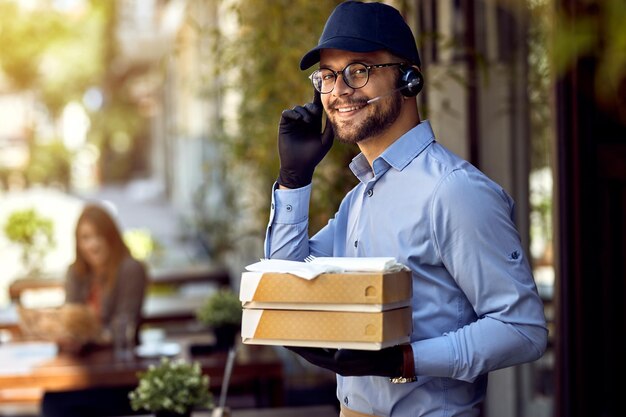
(182, 94)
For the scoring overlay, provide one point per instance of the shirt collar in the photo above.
(399, 154)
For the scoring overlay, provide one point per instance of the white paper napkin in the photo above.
(356, 264)
(321, 265)
(304, 270)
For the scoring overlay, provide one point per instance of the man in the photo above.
(475, 304)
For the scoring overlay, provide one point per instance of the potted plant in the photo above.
(171, 388)
(222, 313)
(34, 233)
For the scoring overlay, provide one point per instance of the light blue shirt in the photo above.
(475, 303)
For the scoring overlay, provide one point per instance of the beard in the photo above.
(382, 115)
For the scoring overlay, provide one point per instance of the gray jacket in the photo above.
(124, 301)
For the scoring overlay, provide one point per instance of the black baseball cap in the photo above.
(365, 27)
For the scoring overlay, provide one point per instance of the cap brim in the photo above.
(341, 42)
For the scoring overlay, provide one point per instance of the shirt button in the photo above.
(288, 207)
(370, 192)
(356, 243)
(272, 206)
(345, 400)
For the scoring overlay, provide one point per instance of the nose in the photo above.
(341, 88)
(92, 244)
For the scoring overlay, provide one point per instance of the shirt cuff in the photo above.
(433, 357)
(291, 206)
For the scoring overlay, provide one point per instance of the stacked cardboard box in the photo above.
(356, 310)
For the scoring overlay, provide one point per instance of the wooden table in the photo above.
(257, 369)
(157, 309)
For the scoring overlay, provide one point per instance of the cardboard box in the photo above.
(351, 291)
(329, 329)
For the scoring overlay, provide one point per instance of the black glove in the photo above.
(387, 362)
(301, 145)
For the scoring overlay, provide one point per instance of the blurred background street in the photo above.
(166, 112)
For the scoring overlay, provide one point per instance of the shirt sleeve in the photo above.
(478, 243)
(287, 232)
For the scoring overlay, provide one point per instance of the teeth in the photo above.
(347, 109)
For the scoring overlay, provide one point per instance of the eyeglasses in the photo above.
(355, 75)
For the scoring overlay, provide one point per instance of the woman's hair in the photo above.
(105, 227)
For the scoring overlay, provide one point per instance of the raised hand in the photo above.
(301, 143)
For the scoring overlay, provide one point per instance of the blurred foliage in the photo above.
(594, 29)
(118, 127)
(539, 85)
(220, 309)
(141, 244)
(267, 52)
(541, 126)
(60, 54)
(29, 33)
(33, 233)
(52, 53)
(50, 164)
(118, 131)
(215, 218)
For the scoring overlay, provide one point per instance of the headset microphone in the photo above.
(371, 100)
(411, 82)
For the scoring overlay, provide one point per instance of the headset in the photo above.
(411, 81)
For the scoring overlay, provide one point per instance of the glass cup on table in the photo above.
(123, 331)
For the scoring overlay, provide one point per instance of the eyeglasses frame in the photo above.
(342, 72)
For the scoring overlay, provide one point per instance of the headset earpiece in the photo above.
(411, 81)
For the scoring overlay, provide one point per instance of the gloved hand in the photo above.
(387, 362)
(301, 144)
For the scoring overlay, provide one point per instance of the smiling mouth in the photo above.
(350, 107)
